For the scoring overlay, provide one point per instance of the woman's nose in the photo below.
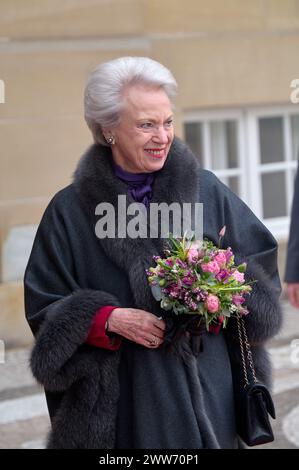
(161, 135)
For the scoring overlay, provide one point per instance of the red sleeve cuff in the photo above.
(97, 333)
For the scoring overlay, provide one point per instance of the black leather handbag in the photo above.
(253, 402)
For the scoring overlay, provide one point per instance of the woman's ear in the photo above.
(110, 139)
(108, 136)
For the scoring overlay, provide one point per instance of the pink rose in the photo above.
(194, 251)
(238, 276)
(211, 267)
(212, 303)
(220, 258)
(238, 299)
(192, 255)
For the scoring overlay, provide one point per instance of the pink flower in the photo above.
(211, 267)
(243, 311)
(212, 303)
(192, 255)
(189, 280)
(228, 254)
(238, 299)
(169, 262)
(239, 277)
(180, 263)
(222, 275)
(222, 231)
(220, 258)
(194, 251)
(174, 292)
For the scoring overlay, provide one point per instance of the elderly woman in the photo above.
(100, 349)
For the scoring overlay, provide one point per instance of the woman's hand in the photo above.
(137, 325)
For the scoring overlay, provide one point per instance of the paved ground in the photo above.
(24, 421)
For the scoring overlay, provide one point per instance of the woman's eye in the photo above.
(146, 125)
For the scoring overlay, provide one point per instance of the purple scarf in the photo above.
(139, 184)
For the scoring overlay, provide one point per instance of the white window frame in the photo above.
(250, 167)
(279, 226)
(204, 117)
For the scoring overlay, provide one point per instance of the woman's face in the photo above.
(145, 132)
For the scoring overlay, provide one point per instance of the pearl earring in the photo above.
(110, 140)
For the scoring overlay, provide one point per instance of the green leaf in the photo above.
(242, 268)
(157, 292)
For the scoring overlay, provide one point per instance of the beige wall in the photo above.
(229, 53)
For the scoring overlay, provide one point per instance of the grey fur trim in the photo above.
(265, 318)
(86, 418)
(64, 330)
(265, 315)
(262, 323)
(88, 375)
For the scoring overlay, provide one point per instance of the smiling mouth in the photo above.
(156, 153)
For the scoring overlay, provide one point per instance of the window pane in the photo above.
(271, 139)
(274, 195)
(193, 136)
(224, 146)
(295, 136)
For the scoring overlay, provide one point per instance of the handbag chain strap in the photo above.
(243, 339)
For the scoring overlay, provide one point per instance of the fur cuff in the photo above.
(265, 315)
(64, 330)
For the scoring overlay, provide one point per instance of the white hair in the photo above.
(103, 97)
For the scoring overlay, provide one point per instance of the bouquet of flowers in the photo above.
(199, 278)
